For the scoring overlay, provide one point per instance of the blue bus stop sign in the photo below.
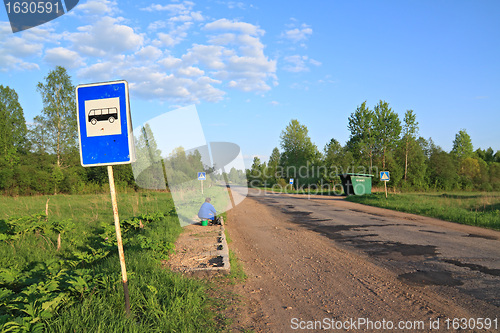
(104, 124)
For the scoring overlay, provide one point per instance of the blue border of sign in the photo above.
(109, 149)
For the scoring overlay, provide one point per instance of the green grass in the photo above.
(472, 208)
(237, 273)
(33, 273)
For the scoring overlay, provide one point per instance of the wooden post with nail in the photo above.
(121, 254)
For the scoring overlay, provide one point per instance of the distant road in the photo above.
(310, 258)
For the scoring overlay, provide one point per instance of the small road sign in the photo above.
(291, 181)
(104, 124)
(202, 176)
(384, 176)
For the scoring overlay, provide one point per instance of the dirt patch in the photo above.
(196, 248)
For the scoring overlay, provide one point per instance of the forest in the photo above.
(379, 141)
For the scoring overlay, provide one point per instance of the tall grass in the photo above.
(472, 208)
(161, 301)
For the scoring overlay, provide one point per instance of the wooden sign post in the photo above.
(201, 177)
(385, 177)
(121, 254)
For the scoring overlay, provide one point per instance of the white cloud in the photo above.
(105, 38)
(176, 35)
(13, 49)
(243, 27)
(61, 56)
(228, 54)
(233, 4)
(298, 63)
(95, 7)
(179, 12)
(156, 25)
(8, 63)
(238, 56)
(298, 34)
(190, 71)
(176, 9)
(315, 62)
(223, 39)
(18, 47)
(149, 53)
(207, 55)
(170, 62)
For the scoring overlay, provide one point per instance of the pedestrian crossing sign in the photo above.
(384, 176)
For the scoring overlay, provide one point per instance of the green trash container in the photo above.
(204, 223)
(356, 183)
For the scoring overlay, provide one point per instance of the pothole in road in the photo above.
(372, 247)
(425, 278)
(480, 236)
(474, 267)
(433, 232)
(298, 213)
(404, 249)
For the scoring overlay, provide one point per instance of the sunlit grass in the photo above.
(473, 208)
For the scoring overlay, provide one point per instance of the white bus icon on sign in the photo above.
(104, 114)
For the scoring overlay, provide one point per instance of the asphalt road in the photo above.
(392, 265)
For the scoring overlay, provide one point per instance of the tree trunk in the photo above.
(371, 160)
(58, 130)
(383, 160)
(406, 159)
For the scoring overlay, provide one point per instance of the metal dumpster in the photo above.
(356, 183)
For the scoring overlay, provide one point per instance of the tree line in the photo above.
(43, 157)
(379, 141)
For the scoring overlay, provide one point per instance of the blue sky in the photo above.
(251, 67)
